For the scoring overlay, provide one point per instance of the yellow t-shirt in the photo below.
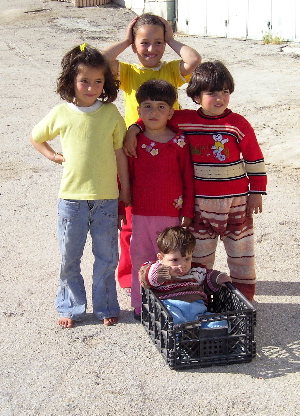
(88, 141)
(133, 75)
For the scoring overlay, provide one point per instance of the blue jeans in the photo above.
(75, 219)
(189, 311)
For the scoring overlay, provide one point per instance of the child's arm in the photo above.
(187, 176)
(112, 51)
(254, 204)
(190, 57)
(122, 167)
(130, 140)
(153, 274)
(48, 152)
(210, 279)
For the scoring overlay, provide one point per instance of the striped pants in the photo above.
(226, 218)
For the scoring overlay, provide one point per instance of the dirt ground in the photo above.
(93, 370)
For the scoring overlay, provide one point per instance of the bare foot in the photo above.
(110, 321)
(66, 322)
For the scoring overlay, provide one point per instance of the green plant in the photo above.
(272, 40)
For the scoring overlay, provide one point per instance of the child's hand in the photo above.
(121, 219)
(168, 30)
(130, 141)
(163, 273)
(129, 34)
(125, 197)
(222, 278)
(254, 204)
(185, 221)
(58, 158)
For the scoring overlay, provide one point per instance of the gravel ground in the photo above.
(101, 371)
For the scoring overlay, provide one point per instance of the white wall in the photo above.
(163, 8)
(250, 19)
(240, 18)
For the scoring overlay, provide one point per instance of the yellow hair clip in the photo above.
(82, 47)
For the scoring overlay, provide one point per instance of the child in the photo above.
(229, 173)
(182, 288)
(148, 36)
(162, 182)
(91, 132)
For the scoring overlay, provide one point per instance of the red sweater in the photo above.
(162, 180)
(226, 156)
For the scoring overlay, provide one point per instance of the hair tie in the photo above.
(82, 47)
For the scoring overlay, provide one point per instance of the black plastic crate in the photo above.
(188, 345)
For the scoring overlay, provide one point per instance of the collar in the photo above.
(90, 109)
(156, 68)
(225, 114)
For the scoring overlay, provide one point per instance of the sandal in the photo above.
(110, 321)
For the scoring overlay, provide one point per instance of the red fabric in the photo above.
(247, 290)
(125, 266)
(162, 180)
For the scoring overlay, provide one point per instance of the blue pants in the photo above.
(75, 219)
(189, 311)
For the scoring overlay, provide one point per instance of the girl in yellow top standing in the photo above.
(148, 35)
(91, 133)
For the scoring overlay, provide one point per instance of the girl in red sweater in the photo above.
(162, 183)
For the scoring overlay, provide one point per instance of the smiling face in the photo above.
(88, 85)
(214, 103)
(179, 264)
(149, 45)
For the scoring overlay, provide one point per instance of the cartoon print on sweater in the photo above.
(219, 147)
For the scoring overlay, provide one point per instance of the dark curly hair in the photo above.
(147, 19)
(209, 76)
(157, 90)
(90, 57)
(176, 238)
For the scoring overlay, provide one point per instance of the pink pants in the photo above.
(143, 247)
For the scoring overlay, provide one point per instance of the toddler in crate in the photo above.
(180, 285)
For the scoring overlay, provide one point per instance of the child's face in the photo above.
(214, 103)
(88, 85)
(149, 45)
(155, 114)
(179, 265)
